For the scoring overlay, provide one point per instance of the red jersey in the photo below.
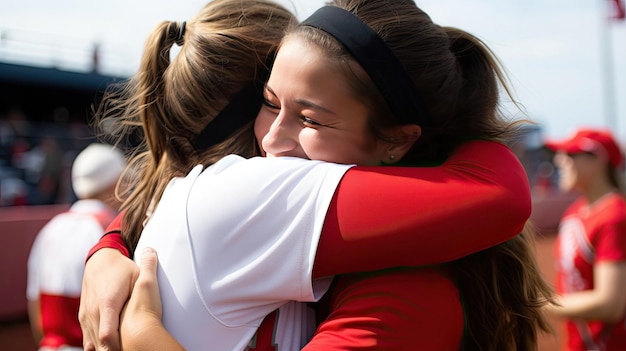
(394, 309)
(385, 217)
(587, 235)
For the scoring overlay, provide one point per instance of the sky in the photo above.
(565, 59)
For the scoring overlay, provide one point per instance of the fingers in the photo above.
(107, 282)
(147, 284)
(100, 327)
(149, 263)
(87, 328)
(108, 333)
(143, 310)
(89, 339)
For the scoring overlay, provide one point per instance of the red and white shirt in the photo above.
(55, 269)
(237, 241)
(588, 235)
(384, 217)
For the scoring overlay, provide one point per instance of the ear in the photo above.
(403, 139)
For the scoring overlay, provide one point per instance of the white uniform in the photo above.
(57, 258)
(55, 270)
(235, 242)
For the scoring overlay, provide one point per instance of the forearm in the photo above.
(390, 216)
(34, 316)
(148, 337)
(588, 305)
(606, 301)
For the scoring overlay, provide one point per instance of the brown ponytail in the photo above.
(168, 102)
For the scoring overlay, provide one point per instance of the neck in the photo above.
(597, 190)
(108, 197)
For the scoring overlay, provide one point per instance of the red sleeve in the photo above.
(383, 217)
(112, 238)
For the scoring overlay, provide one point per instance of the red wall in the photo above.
(18, 228)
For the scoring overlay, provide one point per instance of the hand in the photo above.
(107, 284)
(140, 324)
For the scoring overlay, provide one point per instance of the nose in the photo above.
(282, 138)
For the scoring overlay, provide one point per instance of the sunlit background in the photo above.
(566, 58)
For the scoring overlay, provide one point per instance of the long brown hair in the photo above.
(165, 105)
(459, 79)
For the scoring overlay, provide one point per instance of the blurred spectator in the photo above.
(591, 246)
(43, 166)
(56, 261)
(14, 132)
(13, 191)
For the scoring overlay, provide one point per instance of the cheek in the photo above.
(339, 149)
(566, 181)
(262, 125)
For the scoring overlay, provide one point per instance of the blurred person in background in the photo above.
(591, 245)
(43, 167)
(57, 258)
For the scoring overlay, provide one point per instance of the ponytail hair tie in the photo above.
(181, 34)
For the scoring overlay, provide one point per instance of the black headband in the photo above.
(371, 52)
(243, 108)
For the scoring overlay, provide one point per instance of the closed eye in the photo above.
(270, 105)
(312, 122)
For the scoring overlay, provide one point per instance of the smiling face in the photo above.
(310, 111)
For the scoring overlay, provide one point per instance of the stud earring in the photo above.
(392, 157)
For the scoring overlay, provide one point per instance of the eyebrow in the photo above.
(304, 103)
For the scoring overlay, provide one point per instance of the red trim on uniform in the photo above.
(112, 238)
(59, 321)
(116, 225)
(264, 337)
(110, 241)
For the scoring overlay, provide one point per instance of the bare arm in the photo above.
(606, 301)
(34, 317)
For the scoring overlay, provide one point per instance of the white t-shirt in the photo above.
(237, 241)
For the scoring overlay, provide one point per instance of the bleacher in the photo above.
(43, 101)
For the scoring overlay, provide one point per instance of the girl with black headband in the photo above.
(379, 217)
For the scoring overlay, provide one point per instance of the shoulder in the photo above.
(483, 148)
(262, 171)
(490, 155)
(613, 206)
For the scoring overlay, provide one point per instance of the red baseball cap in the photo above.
(596, 141)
